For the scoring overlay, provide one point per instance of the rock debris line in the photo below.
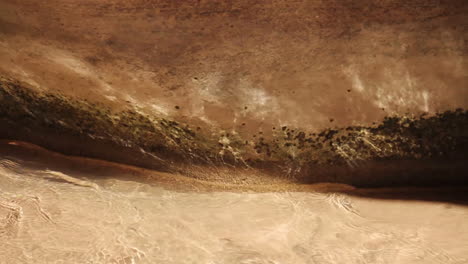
(401, 150)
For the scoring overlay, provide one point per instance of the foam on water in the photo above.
(50, 217)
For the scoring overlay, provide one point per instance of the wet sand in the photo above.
(59, 209)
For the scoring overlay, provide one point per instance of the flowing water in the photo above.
(58, 216)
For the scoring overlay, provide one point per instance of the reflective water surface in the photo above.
(50, 216)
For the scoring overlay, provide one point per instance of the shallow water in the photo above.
(51, 217)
